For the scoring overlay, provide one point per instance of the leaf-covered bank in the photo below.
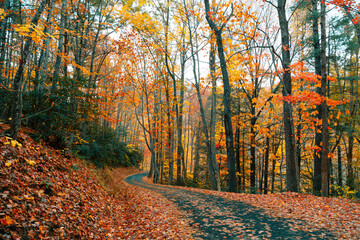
(46, 193)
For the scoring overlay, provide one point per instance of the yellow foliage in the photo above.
(12, 142)
(2, 14)
(140, 21)
(31, 162)
(35, 32)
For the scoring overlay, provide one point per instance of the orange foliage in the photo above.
(46, 193)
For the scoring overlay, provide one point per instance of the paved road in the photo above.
(218, 218)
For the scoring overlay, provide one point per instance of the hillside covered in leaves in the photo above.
(47, 193)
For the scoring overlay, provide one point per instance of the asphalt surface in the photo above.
(215, 217)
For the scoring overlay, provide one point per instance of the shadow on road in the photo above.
(219, 218)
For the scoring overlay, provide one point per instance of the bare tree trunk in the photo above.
(210, 153)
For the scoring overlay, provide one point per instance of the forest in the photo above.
(240, 96)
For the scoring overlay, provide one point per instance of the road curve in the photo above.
(214, 217)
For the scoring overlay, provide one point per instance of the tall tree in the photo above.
(292, 175)
(317, 62)
(193, 23)
(218, 31)
(325, 165)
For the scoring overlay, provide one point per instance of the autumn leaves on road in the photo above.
(220, 215)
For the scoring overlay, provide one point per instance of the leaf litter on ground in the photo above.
(49, 194)
(339, 215)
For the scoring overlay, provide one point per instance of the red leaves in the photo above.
(48, 194)
(59, 197)
(309, 97)
(7, 221)
(147, 215)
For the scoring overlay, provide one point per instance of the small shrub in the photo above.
(340, 191)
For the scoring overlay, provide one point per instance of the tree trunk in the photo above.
(261, 173)
(9, 56)
(93, 54)
(18, 80)
(43, 62)
(60, 45)
(350, 172)
(266, 168)
(340, 183)
(3, 26)
(169, 134)
(273, 174)
(226, 101)
(181, 116)
(180, 149)
(237, 153)
(292, 181)
(209, 137)
(324, 109)
(318, 131)
(252, 153)
(214, 166)
(197, 156)
(243, 161)
(298, 144)
(210, 153)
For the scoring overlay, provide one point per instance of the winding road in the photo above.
(217, 218)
